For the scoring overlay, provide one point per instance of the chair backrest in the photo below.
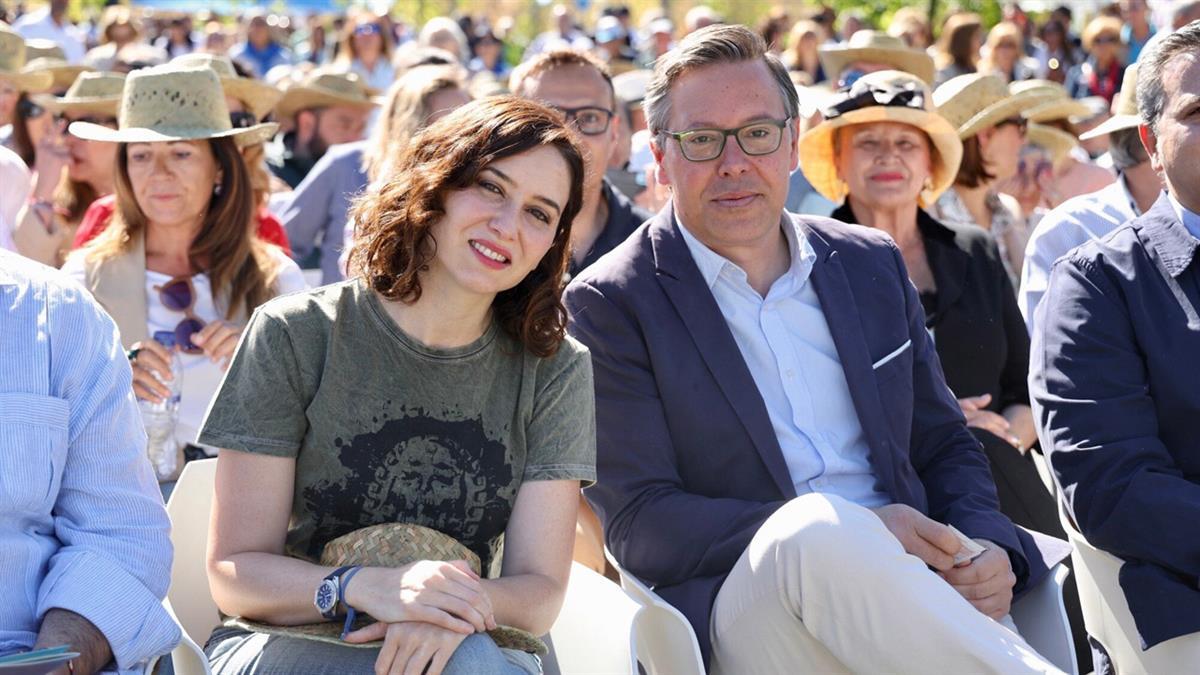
(1106, 612)
(665, 641)
(190, 509)
(594, 629)
(1041, 618)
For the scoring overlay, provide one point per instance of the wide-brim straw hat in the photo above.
(975, 102)
(169, 103)
(1056, 142)
(12, 61)
(259, 97)
(816, 147)
(876, 46)
(1126, 115)
(391, 545)
(46, 55)
(98, 93)
(62, 74)
(631, 85)
(326, 87)
(1058, 105)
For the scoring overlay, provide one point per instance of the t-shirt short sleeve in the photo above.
(260, 406)
(562, 431)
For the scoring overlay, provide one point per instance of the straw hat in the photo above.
(98, 93)
(876, 46)
(1058, 106)
(975, 102)
(12, 60)
(256, 95)
(326, 87)
(910, 103)
(44, 55)
(1054, 141)
(169, 103)
(390, 545)
(1127, 116)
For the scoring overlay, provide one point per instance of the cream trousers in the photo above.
(824, 587)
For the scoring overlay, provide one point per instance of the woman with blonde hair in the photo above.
(1101, 74)
(181, 254)
(365, 47)
(1002, 54)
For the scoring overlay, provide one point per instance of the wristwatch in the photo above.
(328, 595)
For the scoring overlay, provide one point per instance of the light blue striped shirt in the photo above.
(82, 525)
(785, 342)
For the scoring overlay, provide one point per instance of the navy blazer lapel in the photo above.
(685, 287)
(842, 314)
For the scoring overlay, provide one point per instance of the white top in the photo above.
(15, 182)
(789, 351)
(38, 25)
(1070, 224)
(201, 376)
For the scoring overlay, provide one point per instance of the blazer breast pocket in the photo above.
(893, 363)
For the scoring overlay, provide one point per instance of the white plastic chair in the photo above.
(189, 599)
(666, 642)
(1041, 618)
(594, 630)
(1106, 613)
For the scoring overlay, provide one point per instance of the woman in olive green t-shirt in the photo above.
(437, 387)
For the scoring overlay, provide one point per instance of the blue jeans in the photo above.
(232, 651)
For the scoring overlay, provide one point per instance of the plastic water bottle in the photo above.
(160, 418)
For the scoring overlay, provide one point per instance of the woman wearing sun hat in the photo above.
(885, 154)
(381, 438)
(30, 124)
(991, 124)
(1074, 171)
(48, 223)
(249, 102)
(181, 254)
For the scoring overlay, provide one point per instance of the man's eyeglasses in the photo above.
(756, 138)
(30, 110)
(589, 120)
(179, 295)
(242, 119)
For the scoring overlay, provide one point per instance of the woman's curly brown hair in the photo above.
(393, 238)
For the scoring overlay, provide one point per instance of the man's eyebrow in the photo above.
(704, 124)
(504, 177)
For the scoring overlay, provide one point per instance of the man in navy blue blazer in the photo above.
(1115, 369)
(778, 453)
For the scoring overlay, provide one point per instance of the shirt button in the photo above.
(789, 373)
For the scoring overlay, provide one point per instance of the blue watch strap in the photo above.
(350, 612)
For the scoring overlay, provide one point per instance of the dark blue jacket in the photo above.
(688, 464)
(1115, 382)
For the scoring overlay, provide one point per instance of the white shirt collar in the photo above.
(711, 263)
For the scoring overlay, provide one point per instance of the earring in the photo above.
(216, 189)
(928, 184)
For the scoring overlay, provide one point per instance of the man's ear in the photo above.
(1150, 143)
(660, 175)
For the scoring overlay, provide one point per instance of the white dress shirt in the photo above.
(39, 25)
(786, 344)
